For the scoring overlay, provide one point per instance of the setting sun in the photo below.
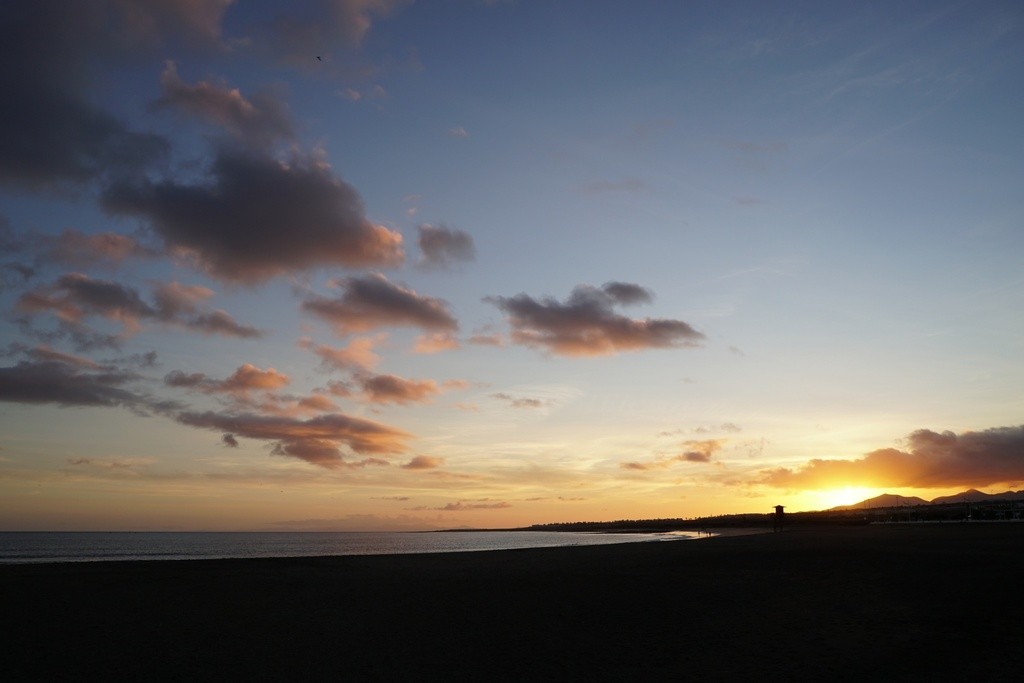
(848, 495)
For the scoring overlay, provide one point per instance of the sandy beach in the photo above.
(900, 602)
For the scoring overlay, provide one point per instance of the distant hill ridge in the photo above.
(891, 500)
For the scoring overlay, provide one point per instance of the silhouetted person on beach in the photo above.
(779, 518)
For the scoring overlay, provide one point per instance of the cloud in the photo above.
(436, 343)
(68, 384)
(252, 389)
(229, 440)
(729, 427)
(261, 120)
(458, 132)
(423, 462)
(645, 466)
(157, 22)
(587, 325)
(221, 323)
(46, 354)
(520, 402)
(462, 506)
(699, 451)
(75, 248)
(53, 132)
(377, 92)
(486, 337)
(174, 300)
(626, 293)
(357, 355)
(317, 440)
(75, 296)
(932, 460)
(245, 379)
(316, 403)
(108, 464)
(393, 389)
(372, 301)
(256, 217)
(326, 26)
(442, 246)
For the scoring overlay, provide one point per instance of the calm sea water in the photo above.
(25, 547)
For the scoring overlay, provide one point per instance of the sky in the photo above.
(395, 265)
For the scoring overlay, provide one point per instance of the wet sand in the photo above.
(902, 602)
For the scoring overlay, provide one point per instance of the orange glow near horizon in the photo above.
(847, 495)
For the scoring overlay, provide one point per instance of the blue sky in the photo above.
(363, 264)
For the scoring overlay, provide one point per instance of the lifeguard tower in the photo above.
(779, 518)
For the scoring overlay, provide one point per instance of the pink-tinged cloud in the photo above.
(587, 324)
(246, 378)
(423, 462)
(699, 451)
(75, 248)
(316, 403)
(393, 389)
(442, 246)
(75, 296)
(520, 401)
(932, 460)
(435, 343)
(318, 440)
(256, 217)
(340, 388)
(44, 354)
(358, 354)
(260, 120)
(372, 301)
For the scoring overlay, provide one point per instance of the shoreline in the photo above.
(917, 602)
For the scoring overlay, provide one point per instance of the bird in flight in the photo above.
(319, 58)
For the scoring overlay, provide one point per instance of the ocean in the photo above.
(88, 546)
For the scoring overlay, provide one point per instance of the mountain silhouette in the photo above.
(976, 496)
(886, 500)
(891, 500)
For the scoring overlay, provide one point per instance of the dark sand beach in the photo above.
(917, 602)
